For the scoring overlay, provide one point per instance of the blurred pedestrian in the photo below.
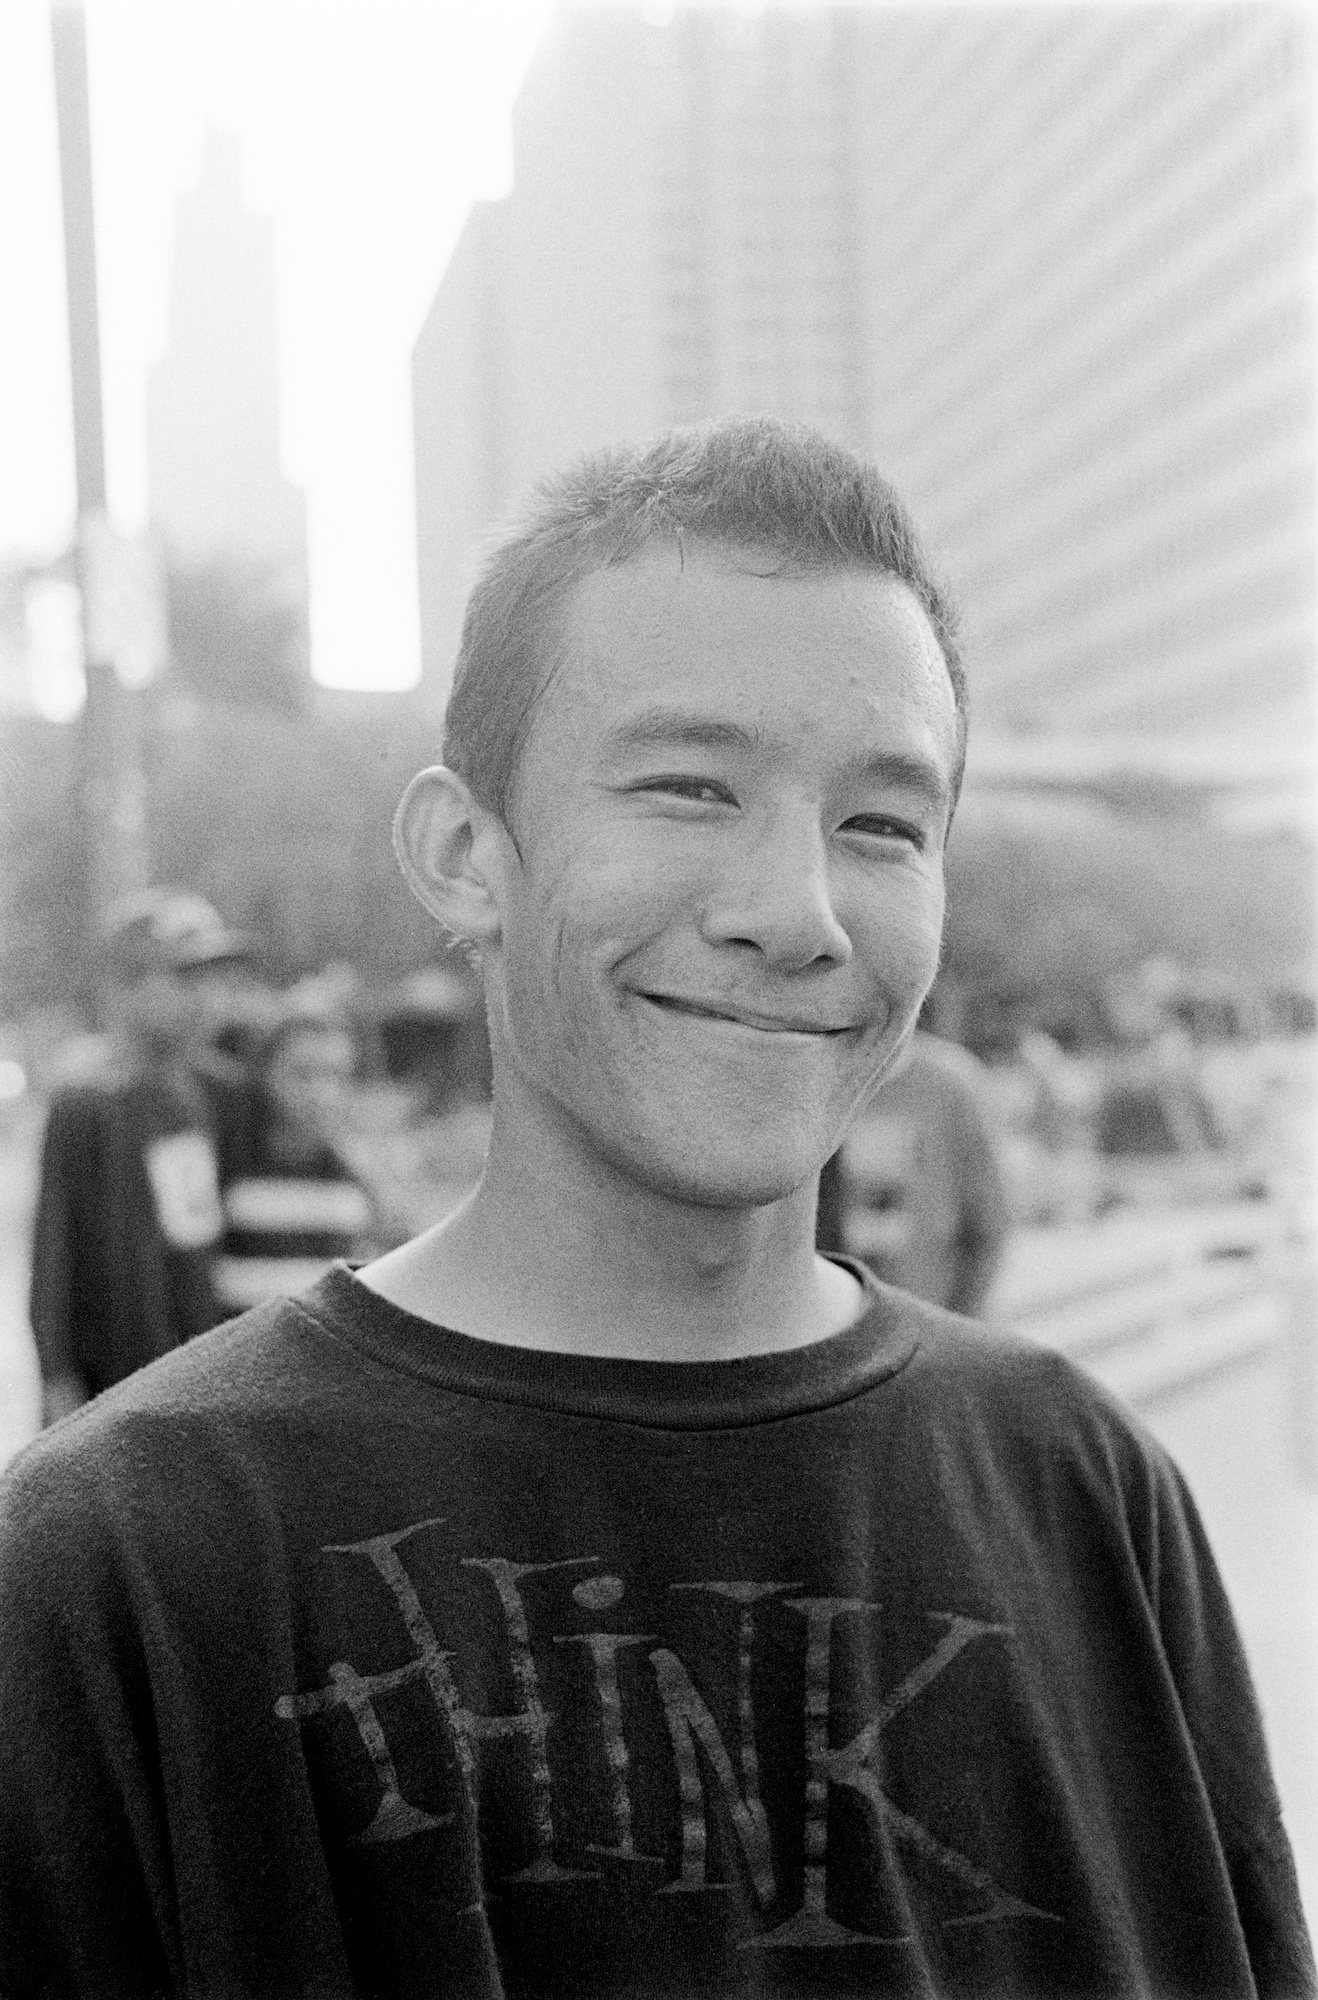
(299, 1204)
(917, 1192)
(128, 1210)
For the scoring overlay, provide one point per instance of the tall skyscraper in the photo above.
(218, 496)
(1050, 267)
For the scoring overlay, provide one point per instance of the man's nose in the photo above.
(774, 894)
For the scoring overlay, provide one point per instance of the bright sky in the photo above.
(367, 128)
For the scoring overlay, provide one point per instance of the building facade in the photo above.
(1051, 267)
(218, 498)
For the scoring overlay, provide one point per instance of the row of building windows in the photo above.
(1188, 341)
(1178, 459)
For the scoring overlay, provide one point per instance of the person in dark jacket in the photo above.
(137, 1143)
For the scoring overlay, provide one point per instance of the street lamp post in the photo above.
(109, 786)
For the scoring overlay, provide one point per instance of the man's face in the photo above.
(731, 810)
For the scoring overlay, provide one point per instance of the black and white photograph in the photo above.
(658, 1000)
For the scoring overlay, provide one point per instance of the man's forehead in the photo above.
(667, 600)
(704, 630)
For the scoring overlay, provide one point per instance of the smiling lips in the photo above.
(746, 1017)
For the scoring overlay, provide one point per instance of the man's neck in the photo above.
(557, 1250)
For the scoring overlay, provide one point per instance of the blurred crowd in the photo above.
(1184, 1093)
(220, 1139)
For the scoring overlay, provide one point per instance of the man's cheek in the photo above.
(902, 942)
(548, 1002)
(928, 914)
(932, 940)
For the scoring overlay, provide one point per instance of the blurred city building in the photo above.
(234, 527)
(1050, 267)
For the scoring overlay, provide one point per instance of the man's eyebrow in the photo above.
(911, 773)
(679, 728)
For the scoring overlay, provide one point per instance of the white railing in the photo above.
(1153, 1304)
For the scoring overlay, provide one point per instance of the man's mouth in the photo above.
(746, 1017)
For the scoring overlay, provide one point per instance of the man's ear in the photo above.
(445, 843)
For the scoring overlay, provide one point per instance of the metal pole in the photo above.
(69, 37)
(108, 785)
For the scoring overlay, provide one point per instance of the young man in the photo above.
(603, 1593)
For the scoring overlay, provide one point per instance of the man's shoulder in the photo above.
(166, 1493)
(147, 1435)
(984, 1381)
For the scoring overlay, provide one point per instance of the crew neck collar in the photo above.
(676, 1395)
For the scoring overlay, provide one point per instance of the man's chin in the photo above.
(722, 1180)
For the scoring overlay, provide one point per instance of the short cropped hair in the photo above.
(753, 483)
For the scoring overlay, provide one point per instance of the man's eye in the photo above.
(880, 826)
(703, 791)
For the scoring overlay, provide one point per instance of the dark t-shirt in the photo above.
(346, 1654)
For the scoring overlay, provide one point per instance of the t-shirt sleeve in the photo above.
(81, 1854)
(1208, 1665)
